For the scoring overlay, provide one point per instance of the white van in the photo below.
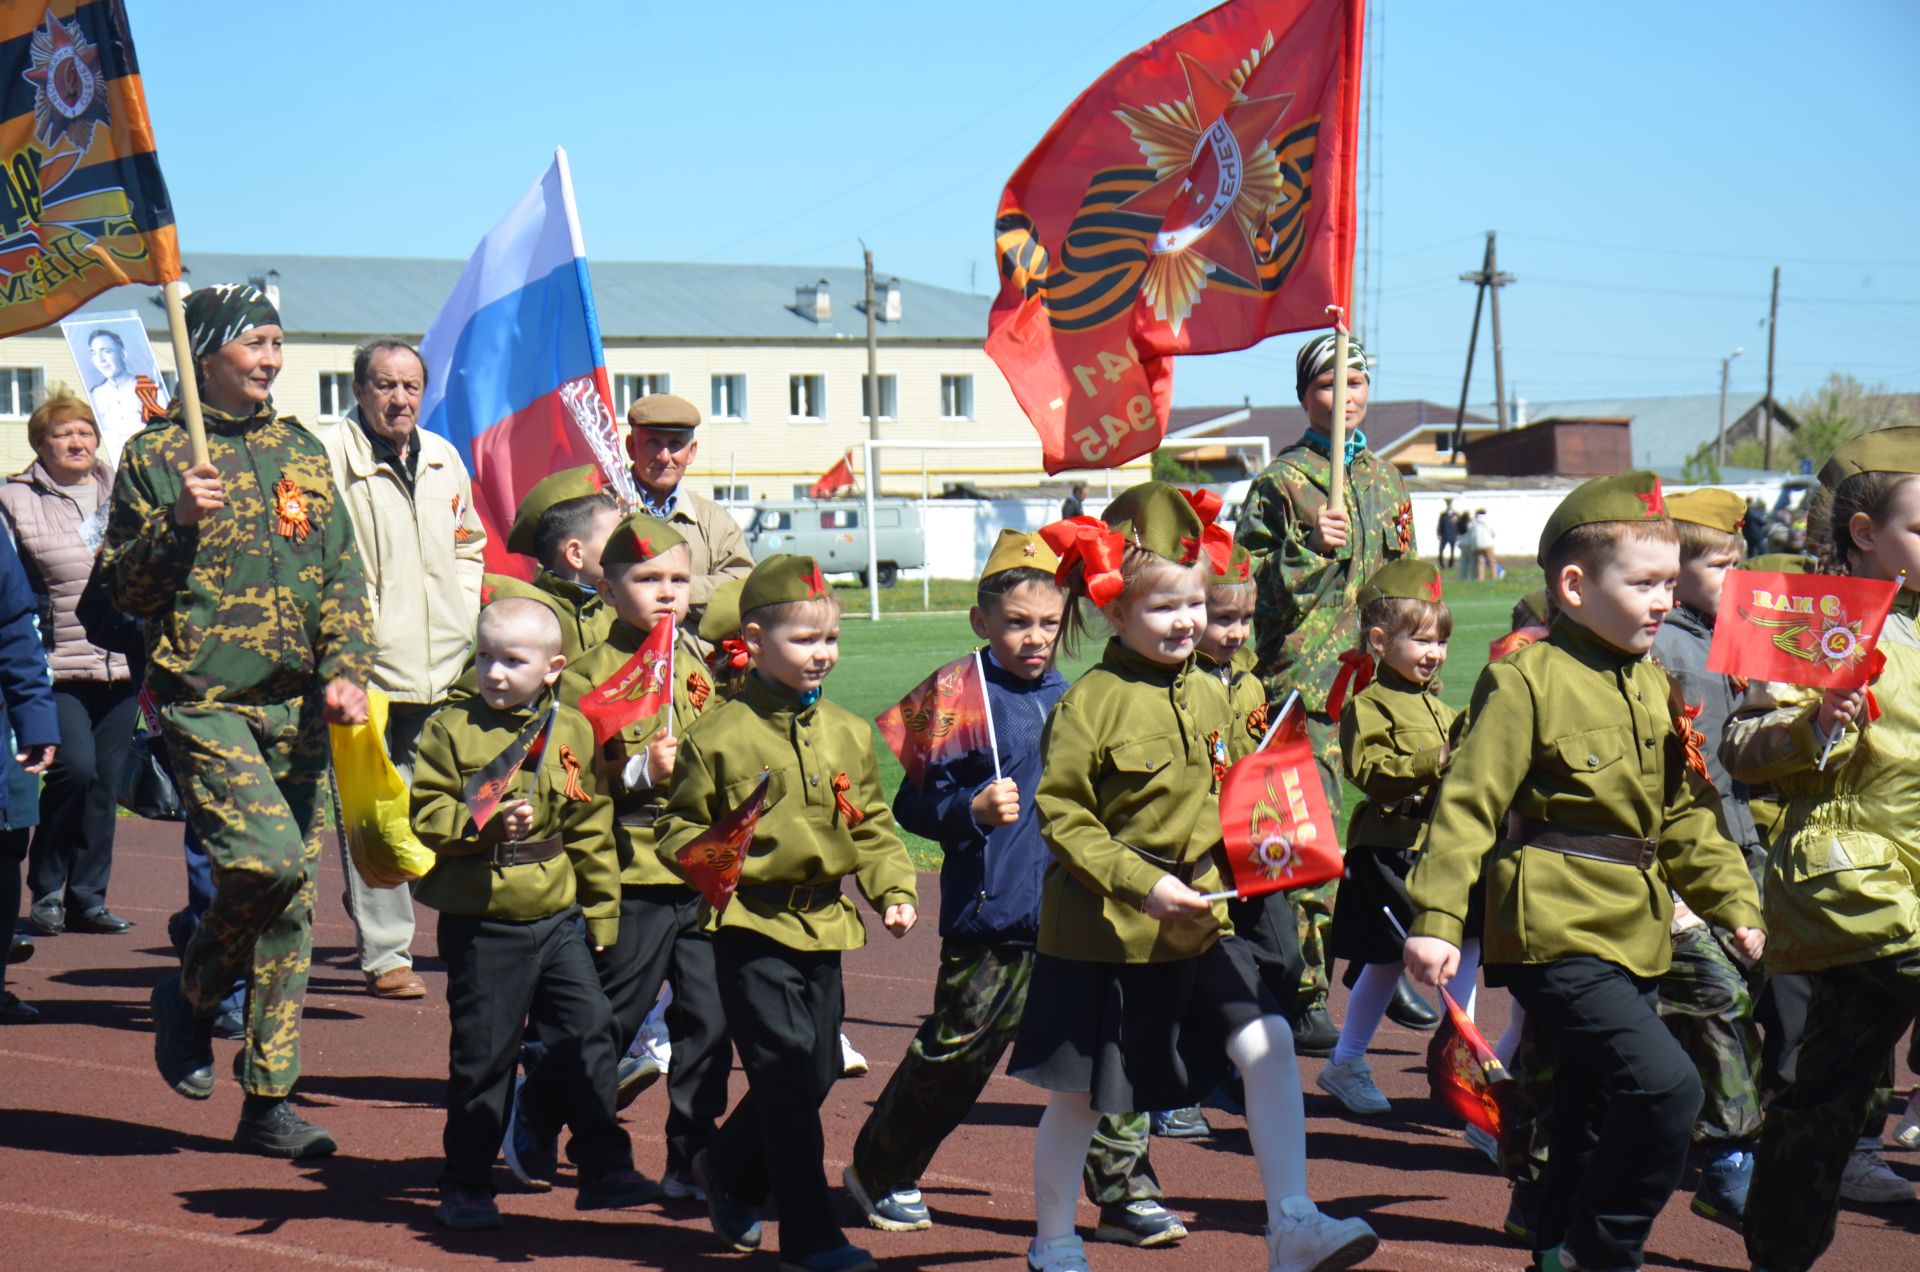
(831, 532)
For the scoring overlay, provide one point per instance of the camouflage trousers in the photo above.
(253, 779)
(1706, 1004)
(1313, 907)
(1854, 1017)
(977, 1004)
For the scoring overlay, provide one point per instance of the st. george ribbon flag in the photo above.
(516, 377)
(1199, 197)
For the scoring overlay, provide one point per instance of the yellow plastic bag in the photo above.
(373, 802)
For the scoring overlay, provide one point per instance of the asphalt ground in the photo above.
(102, 1166)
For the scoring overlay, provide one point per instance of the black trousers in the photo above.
(784, 1008)
(13, 850)
(1624, 1099)
(72, 853)
(499, 973)
(660, 943)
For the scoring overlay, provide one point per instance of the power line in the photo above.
(1725, 256)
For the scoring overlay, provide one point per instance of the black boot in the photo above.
(1314, 1034)
(1409, 1009)
(270, 1127)
(182, 1042)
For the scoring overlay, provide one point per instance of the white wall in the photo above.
(1518, 516)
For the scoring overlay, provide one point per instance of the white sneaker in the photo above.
(852, 1063)
(660, 1051)
(1308, 1241)
(679, 1186)
(1351, 1083)
(1057, 1254)
(1486, 1143)
(1907, 1134)
(1867, 1180)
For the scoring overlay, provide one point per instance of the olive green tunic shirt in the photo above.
(803, 839)
(1246, 699)
(640, 864)
(458, 742)
(1573, 731)
(1129, 795)
(1394, 740)
(584, 618)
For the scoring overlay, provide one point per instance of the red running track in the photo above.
(101, 1165)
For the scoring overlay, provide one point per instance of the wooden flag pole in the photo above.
(183, 369)
(1337, 448)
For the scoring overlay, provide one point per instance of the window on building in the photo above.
(733, 494)
(19, 390)
(629, 388)
(729, 397)
(336, 394)
(956, 397)
(807, 397)
(889, 397)
(1443, 442)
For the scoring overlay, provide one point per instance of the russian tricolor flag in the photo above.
(516, 378)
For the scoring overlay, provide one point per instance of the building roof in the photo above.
(1388, 426)
(1667, 431)
(372, 295)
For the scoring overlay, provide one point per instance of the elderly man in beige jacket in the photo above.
(411, 503)
(662, 446)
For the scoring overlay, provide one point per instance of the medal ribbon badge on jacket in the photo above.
(1217, 751)
(461, 531)
(290, 506)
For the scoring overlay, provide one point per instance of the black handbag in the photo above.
(146, 784)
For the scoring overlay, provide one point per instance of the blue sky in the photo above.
(1645, 163)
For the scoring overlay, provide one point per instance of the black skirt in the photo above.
(1376, 878)
(1138, 1037)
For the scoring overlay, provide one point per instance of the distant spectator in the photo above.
(1755, 529)
(1449, 531)
(1075, 503)
(1486, 563)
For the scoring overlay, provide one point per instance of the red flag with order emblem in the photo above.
(642, 686)
(943, 715)
(1273, 815)
(1463, 1072)
(1199, 197)
(1803, 629)
(713, 859)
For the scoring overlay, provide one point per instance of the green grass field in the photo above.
(881, 661)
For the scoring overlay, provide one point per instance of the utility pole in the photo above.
(1489, 279)
(1773, 321)
(873, 357)
(1466, 380)
(1720, 439)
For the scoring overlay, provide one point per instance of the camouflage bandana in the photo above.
(1316, 356)
(219, 315)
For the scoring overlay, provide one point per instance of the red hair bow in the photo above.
(1214, 540)
(732, 652)
(1088, 542)
(1355, 674)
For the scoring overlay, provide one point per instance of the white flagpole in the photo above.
(980, 671)
(672, 653)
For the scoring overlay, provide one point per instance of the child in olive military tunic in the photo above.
(777, 944)
(1571, 789)
(563, 523)
(510, 896)
(1395, 739)
(646, 580)
(1842, 906)
(1141, 993)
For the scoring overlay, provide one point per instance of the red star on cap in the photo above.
(645, 546)
(1433, 589)
(816, 582)
(1656, 506)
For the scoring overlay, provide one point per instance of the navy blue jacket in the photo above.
(24, 683)
(990, 882)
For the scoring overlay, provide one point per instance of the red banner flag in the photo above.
(1518, 638)
(528, 747)
(944, 715)
(835, 479)
(1463, 1072)
(1802, 629)
(713, 859)
(1273, 814)
(642, 686)
(1199, 197)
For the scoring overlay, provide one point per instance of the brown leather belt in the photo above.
(801, 898)
(520, 852)
(1625, 850)
(1185, 871)
(640, 818)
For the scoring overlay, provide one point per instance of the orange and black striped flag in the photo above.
(83, 206)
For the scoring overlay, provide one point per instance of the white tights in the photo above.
(1263, 1052)
(1374, 990)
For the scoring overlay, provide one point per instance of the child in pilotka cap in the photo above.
(990, 879)
(563, 523)
(645, 580)
(777, 944)
(1571, 788)
(1141, 994)
(1396, 737)
(511, 895)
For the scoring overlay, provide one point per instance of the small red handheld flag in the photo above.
(1518, 638)
(834, 480)
(713, 859)
(944, 715)
(1273, 814)
(528, 748)
(1801, 629)
(641, 687)
(1464, 1073)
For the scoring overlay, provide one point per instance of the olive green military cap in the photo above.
(638, 538)
(1536, 603)
(782, 579)
(1715, 509)
(1019, 550)
(549, 492)
(1157, 517)
(1780, 563)
(1884, 450)
(721, 618)
(1238, 568)
(1628, 497)
(1407, 579)
(664, 411)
